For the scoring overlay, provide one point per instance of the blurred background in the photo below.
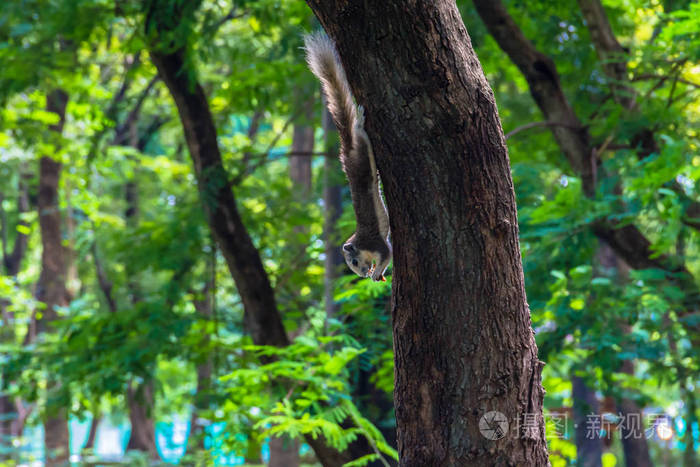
(123, 339)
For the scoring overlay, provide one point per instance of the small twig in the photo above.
(290, 154)
(600, 106)
(682, 95)
(679, 79)
(125, 126)
(229, 16)
(605, 144)
(252, 135)
(527, 126)
(105, 284)
(247, 170)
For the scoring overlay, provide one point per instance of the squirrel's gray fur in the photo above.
(368, 251)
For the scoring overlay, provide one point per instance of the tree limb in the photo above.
(542, 77)
(528, 126)
(627, 240)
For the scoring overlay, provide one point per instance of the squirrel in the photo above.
(368, 251)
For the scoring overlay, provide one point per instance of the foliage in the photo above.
(144, 265)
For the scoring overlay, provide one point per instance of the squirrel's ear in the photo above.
(349, 247)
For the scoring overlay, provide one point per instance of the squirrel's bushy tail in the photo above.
(324, 62)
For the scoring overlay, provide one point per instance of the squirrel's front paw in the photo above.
(378, 275)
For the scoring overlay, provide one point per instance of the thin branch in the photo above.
(105, 284)
(3, 228)
(290, 154)
(264, 156)
(13, 260)
(527, 126)
(646, 77)
(126, 83)
(124, 128)
(150, 130)
(252, 135)
(211, 30)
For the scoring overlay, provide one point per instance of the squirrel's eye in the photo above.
(354, 262)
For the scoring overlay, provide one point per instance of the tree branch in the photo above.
(247, 170)
(528, 126)
(627, 240)
(543, 80)
(103, 281)
(122, 131)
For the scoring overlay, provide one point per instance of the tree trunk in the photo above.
(300, 160)
(12, 263)
(589, 448)
(204, 306)
(284, 452)
(51, 288)
(261, 317)
(140, 401)
(7, 416)
(333, 182)
(92, 434)
(463, 342)
(634, 441)
(140, 397)
(690, 454)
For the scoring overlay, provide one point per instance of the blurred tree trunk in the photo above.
(589, 447)
(463, 341)
(10, 424)
(284, 451)
(632, 436)
(92, 434)
(333, 182)
(140, 400)
(690, 454)
(140, 397)
(12, 261)
(300, 160)
(261, 317)
(51, 287)
(204, 305)
(634, 440)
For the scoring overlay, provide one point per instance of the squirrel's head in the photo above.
(360, 261)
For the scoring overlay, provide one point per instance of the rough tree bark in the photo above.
(261, 315)
(462, 336)
(51, 287)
